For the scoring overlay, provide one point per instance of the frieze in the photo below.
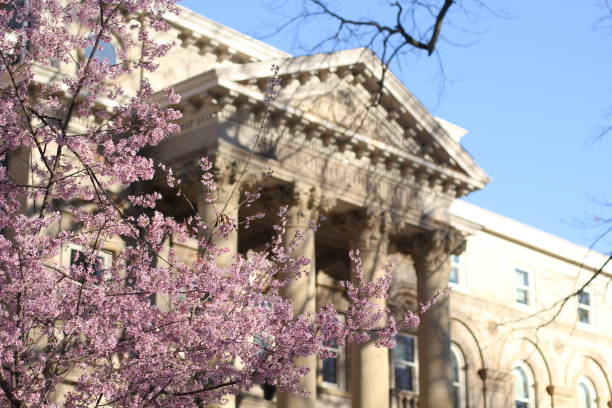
(401, 187)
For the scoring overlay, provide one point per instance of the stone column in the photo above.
(303, 206)
(221, 206)
(430, 252)
(370, 386)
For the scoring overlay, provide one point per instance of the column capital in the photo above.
(367, 228)
(226, 173)
(303, 201)
(434, 246)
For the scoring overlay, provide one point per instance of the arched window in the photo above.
(523, 387)
(458, 377)
(585, 394)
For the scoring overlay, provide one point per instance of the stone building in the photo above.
(388, 177)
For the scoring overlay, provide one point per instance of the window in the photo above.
(586, 395)
(523, 286)
(404, 363)
(523, 387)
(14, 44)
(585, 307)
(332, 368)
(458, 377)
(456, 272)
(101, 260)
(13, 8)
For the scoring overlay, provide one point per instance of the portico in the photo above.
(383, 175)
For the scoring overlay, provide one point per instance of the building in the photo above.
(388, 178)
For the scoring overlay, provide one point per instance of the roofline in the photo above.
(393, 85)
(531, 237)
(211, 79)
(190, 20)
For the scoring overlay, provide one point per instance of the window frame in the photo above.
(458, 262)
(340, 352)
(529, 288)
(406, 363)
(524, 368)
(590, 309)
(341, 366)
(461, 383)
(106, 255)
(591, 392)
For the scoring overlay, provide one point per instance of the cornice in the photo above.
(528, 236)
(214, 89)
(208, 35)
(362, 67)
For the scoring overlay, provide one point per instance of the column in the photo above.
(219, 207)
(430, 252)
(303, 205)
(370, 373)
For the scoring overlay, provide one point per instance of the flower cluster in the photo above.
(148, 327)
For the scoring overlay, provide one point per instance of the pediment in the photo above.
(339, 87)
(349, 106)
(333, 94)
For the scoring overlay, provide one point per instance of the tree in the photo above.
(391, 28)
(71, 145)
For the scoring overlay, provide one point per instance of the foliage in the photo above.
(80, 137)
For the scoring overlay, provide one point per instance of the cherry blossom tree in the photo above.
(87, 334)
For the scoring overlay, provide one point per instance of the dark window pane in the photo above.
(13, 8)
(404, 378)
(454, 368)
(456, 397)
(330, 370)
(583, 316)
(521, 404)
(77, 258)
(404, 348)
(454, 275)
(522, 296)
(584, 298)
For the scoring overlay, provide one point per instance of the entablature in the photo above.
(214, 97)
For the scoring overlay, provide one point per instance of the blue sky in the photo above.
(533, 88)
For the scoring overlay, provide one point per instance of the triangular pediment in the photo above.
(331, 96)
(340, 88)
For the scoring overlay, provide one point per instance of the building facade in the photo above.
(387, 176)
